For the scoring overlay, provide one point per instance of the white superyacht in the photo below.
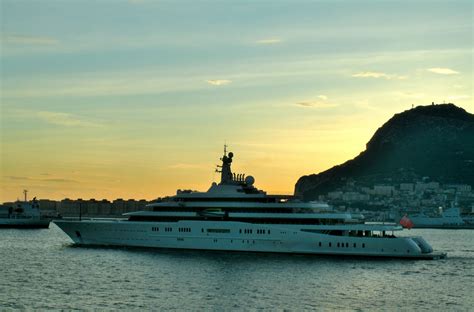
(233, 215)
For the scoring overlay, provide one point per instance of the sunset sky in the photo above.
(135, 99)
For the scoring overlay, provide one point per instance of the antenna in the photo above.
(25, 192)
(225, 149)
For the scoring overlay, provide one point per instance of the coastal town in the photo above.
(377, 202)
(389, 201)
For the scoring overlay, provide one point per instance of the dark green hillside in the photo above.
(436, 141)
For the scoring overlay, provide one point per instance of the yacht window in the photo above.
(337, 244)
(354, 245)
(363, 245)
(240, 231)
(319, 244)
(329, 244)
(218, 230)
(347, 245)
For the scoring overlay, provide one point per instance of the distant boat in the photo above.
(23, 215)
(448, 219)
(236, 216)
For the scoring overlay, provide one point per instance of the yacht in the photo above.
(23, 214)
(233, 215)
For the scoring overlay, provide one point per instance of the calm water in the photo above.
(40, 269)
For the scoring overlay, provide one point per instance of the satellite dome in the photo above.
(249, 180)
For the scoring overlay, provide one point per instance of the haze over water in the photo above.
(42, 270)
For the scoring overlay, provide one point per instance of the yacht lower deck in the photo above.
(241, 236)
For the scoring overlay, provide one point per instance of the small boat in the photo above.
(448, 219)
(23, 215)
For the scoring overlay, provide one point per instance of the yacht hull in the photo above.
(239, 236)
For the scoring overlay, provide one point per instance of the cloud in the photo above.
(54, 180)
(269, 41)
(218, 82)
(370, 74)
(58, 180)
(28, 40)
(64, 119)
(442, 71)
(413, 95)
(320, 103)
(17, 178)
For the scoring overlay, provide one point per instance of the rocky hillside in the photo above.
(435, 141)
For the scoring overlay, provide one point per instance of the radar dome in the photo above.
(249, 180)
(231, 154)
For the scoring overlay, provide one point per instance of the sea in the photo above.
(43, 270)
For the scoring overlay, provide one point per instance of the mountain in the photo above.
(435, 141)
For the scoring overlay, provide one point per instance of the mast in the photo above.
(25, 192)
(226, 172)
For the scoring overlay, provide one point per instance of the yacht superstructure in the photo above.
(234, 215)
